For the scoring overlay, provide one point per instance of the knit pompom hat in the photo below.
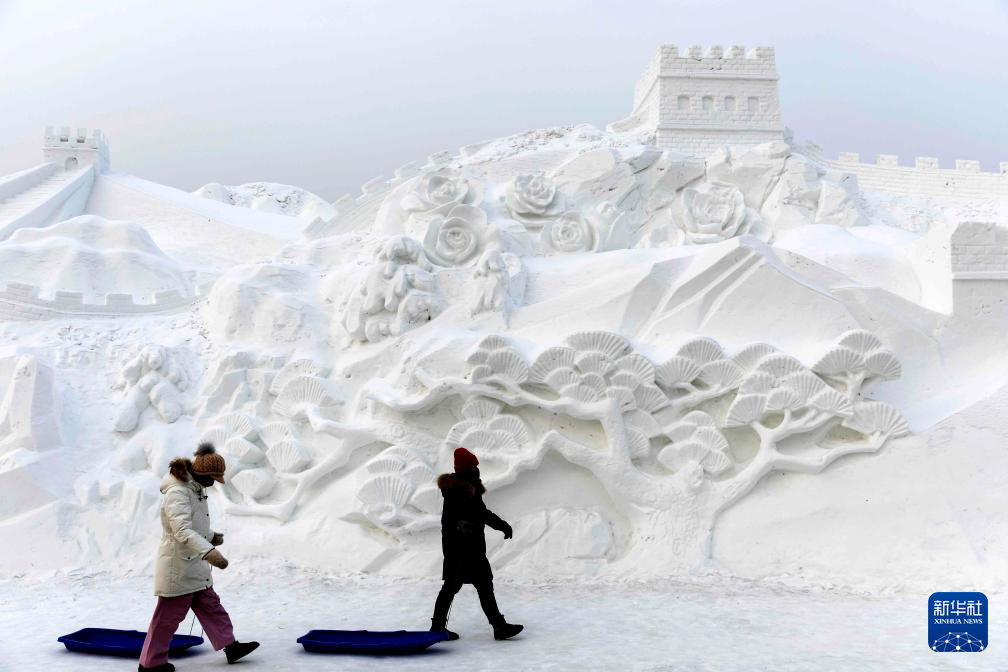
(465, 460)
(208, 462)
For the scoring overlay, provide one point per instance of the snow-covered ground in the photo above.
(665, 626)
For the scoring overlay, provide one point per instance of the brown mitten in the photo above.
(217, 539)
(215, 558)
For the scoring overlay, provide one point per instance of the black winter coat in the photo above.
(462, 530)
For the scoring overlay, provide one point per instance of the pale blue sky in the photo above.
(328, 94)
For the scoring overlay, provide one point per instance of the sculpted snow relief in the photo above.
(635, 332)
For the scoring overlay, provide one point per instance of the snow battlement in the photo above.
(697, 100)
(920, 162)
(74, 148)
(19, 301)
(714, 61)
(703, 99)
(925, 177)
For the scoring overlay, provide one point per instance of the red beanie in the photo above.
(465, 460)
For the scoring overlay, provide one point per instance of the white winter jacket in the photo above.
(185, 521)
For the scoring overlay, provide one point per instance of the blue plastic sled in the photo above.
(372, 643)
(127, 643)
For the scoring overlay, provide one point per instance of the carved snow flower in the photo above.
(714, 212)
(533, 199)
(440, 190)
(570, 232)
(457, 238)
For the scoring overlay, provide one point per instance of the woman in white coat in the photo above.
(182, 575)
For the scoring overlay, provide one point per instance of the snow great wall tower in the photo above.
(698, 102)
(682, 345)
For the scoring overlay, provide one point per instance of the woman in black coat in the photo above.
(464, 545)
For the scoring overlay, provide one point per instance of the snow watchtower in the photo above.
(979, 253)
(700, 101)
(75, 148)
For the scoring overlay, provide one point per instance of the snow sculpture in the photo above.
(259, 457)
(979, 256)
(396, 294)
(780, 399)
(615, 228)
(609, 197)
(440, 190)
(858, 361)
(271, 303)
(696, 100)
(29, 407)
(254, 484)
(457, 238)
(400, 491)
(754, 171)
(498, 283)
(697, 444)
(240, 382)
(236, 436)
(787, 189)
(667, 456)
(714, 212)
(95, 257)
(303, 394)
(533, 200)
(154, 378)
(570, 232)
(556, 542)
(275, 421)
(501, 438)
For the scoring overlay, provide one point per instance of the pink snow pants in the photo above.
(170, 611)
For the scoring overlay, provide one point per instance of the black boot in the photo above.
(439, 623)
(443, 627)
(504, 630)
(235, 651)
(163, 667)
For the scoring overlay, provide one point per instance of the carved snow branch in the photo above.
(506, 391)
(497, 388)
(696, 397)
(322, 425)
(810, 420)
(305, 480)
(813, 464)
(614, 470)
(768, 459)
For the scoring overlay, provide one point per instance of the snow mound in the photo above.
(91, 255)
(280, 199)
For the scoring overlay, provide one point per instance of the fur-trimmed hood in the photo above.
(455, 484)
(178, 474)
(180, 468)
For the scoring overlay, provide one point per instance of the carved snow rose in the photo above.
(440, 190)
(533, 199)
(714, 212)
(570, 232)
(457, 238)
